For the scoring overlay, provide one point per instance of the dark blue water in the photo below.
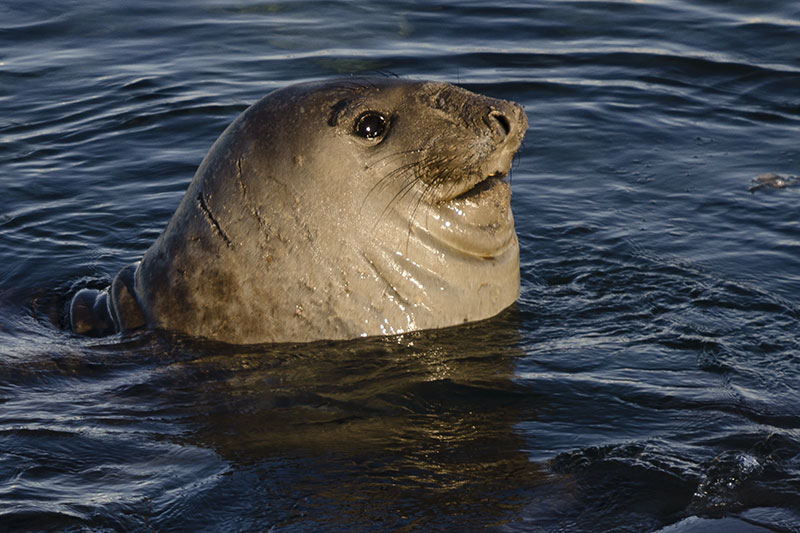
(647, 380)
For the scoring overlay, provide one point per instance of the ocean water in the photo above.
(648, 379)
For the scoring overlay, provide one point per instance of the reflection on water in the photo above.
(394, 432)
(397, 431)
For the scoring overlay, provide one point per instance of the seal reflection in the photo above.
(396, 432)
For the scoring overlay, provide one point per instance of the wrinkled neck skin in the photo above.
(440, 269)
(411, 266)
(310, 233)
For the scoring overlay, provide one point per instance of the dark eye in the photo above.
(370, 125)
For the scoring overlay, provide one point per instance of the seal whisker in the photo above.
(400, 153)
(409, 172)
(389, 178)
(429, 190)
(406, 188)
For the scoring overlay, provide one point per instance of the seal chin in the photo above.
(477, 222)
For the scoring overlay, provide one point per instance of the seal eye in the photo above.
(370, 125)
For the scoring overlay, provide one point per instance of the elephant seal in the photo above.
(334, 210)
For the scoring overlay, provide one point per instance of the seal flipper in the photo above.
(89, 313)
(97, 313)
(125, 309)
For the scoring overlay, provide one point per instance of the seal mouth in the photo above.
(481, 186)
(476, 190)
(486, 203)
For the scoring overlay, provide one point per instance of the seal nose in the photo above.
(506, 121)
(499, 124)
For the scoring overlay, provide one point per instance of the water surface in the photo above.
(647, 379)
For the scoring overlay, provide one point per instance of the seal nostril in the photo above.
(500, 118)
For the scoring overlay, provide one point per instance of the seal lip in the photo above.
(486, 205)
(486, 184)
(472, 185)
(492, 193)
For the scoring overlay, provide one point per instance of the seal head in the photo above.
(340, 209)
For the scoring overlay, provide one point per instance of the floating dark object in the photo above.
(774, 181)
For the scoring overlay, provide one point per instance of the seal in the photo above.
(334, 210)
(773, 181)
